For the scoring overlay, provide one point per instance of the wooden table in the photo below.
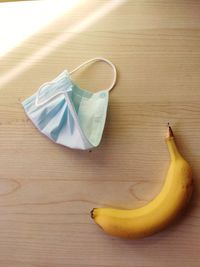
(46, 190)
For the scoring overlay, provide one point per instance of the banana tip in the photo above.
(92, 213)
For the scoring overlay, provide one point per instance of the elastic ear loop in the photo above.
(71, 72)
(100, 59)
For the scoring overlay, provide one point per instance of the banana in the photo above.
(158, 213)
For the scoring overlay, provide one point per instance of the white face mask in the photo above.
(67, 114)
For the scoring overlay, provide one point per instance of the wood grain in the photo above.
(47, 191)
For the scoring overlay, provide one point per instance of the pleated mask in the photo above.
(67, 114)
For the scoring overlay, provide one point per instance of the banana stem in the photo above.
(170, 132)
(170, 139)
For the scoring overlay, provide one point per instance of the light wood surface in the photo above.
(47, 191)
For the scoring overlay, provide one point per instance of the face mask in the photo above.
(67, 114)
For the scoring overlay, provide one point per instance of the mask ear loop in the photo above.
(100, 59)
(41, 103)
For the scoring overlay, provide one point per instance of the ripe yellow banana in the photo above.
(159, 212)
